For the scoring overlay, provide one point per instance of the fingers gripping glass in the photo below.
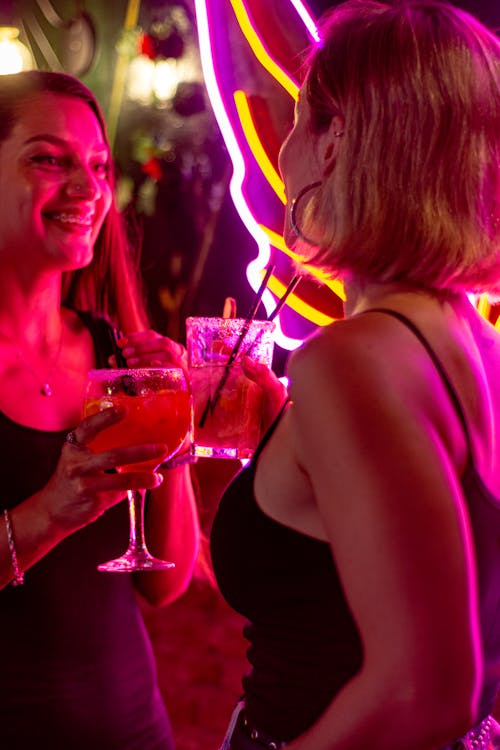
(157, 405)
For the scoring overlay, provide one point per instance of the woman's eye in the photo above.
(48, 160)
(102, 169)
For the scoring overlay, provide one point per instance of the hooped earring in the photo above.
(293, 211)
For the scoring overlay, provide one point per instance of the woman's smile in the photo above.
(54, 174)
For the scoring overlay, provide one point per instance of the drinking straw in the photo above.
(212, 402)
(256, 300)
(291, 286)
(127, 381)
(113, 336)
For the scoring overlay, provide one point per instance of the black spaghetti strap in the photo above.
(437, 362)
(270, 430)
(102, 335)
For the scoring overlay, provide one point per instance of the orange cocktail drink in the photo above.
(162, 417)
(156, 408)
(153, 411)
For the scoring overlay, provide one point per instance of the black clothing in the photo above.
(304, 645)
(77, 669)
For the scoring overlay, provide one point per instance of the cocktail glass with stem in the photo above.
(158, 409)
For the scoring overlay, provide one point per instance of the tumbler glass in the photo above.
(227, 405)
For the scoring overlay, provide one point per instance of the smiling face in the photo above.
(54, 184)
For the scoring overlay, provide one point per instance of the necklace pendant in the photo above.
(45, 389)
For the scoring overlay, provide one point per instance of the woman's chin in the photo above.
(78, 258)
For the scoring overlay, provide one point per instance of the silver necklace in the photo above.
(44, 384)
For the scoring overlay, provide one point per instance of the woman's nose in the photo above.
(83, 184)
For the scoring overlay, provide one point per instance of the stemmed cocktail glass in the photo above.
(157, 405)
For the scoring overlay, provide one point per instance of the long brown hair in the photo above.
(110, 284)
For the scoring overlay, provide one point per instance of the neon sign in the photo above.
(248, 49)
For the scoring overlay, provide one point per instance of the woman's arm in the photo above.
(172, 533)
(78, 492)
(388, 493)
(171, 522)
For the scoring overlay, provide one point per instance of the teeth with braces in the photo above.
(72, 219)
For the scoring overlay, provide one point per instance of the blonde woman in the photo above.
(363, 541)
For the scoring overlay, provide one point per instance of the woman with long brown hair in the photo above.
(77, 665)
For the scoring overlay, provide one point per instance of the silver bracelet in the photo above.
(18, 579)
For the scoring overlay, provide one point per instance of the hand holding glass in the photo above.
(227, 405)
(157, 406)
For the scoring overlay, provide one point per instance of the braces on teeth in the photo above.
(72, 219)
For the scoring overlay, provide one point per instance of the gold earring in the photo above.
(293, 211)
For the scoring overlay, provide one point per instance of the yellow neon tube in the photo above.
(300, 307)
(278, 242)
(261, 52)
(263, 160)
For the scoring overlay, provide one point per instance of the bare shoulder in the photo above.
(351, 355)
(370, 374)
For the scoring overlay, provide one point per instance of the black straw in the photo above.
(257, 299)
(127, 381)
(212, 402)
(291, 286)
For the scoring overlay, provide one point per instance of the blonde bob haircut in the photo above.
(414, 194)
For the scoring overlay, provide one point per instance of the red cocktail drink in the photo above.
(160, 417)
(156, 405)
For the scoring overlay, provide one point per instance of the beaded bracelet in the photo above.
(18, 575)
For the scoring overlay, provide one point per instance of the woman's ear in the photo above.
(329, 144)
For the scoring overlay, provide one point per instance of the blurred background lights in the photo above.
(150, 80)
(14, 55)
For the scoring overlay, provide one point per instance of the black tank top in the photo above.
(304, 645)
(76, 670)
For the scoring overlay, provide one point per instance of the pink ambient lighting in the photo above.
(253, 165)
(245, 59)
